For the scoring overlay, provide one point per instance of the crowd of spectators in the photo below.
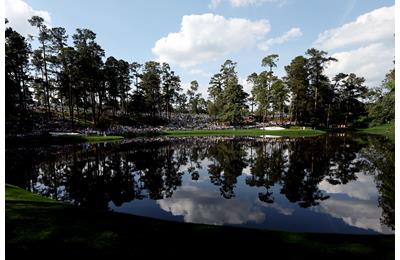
(175, 121)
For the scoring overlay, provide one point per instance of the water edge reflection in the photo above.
(239, 181)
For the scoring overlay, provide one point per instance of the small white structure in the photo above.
(272, 128)
(270, 136)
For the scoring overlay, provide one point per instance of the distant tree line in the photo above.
(304, 96)
(79, 80)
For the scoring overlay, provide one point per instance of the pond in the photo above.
(335, 183)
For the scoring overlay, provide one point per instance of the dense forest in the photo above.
(81, 85)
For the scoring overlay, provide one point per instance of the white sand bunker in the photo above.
(272, 128)
(270, 136)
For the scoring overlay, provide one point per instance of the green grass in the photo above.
(295, 132)
(99, 138)
(13, 193)
(36, 226)
(385, 130)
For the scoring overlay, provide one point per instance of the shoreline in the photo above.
(292, 132)
(67, 138)
(247, 132)
(387, 130)
(38, 223)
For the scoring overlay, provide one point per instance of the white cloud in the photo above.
(214, 4)
(371, 62)
(197, 205)
(199, 72)
(280, 208)
(185, 86)
(357, 213)
(364, 188)
(375, 26)
(207, 37)
(360, 209)
(18, 12)
(243, 3)
(202, 88)
(364, 46)
(247, 88)
(293, 33)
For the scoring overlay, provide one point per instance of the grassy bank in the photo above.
(386, 130)
(94, 138)
(295, 132)
(49, 229)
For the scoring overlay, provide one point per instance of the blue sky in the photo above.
(242, 30)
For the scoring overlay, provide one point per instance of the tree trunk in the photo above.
(347, 113)
(315, 100)
(21, 93)
(93, 99)
(114, 109)
(100, 107)
(327, 118)
(62, 109)
(84, 109)
(47, 88)
(71, 106)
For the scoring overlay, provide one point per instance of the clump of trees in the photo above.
(269, 92)
(306, 95)
(381, 107)
(17, 79)
(196, 103)
(227, 98)
(80, 83)
(80, 80)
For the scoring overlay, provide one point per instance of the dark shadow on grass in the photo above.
(59, 231)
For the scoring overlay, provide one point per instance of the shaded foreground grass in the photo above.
(385, 129)
(295, 132)
(48, 229)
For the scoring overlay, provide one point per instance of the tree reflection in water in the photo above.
(93, 175)
(379, 161)
(267, 168)
(228, 161)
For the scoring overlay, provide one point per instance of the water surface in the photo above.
(334, 183)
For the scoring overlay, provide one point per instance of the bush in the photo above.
(104, 123)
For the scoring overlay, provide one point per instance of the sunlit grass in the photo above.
(291, 132)
(100, 138)
(387, 130)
